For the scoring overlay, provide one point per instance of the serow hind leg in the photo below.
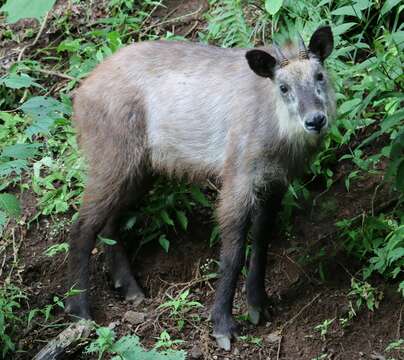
(101, 201)
(82, 239)
(119, 266)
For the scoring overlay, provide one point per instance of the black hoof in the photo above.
(258, 314)
(258, 307)
(78, 308)
(225, 329)
(131, 291)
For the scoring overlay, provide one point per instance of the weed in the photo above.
(126, 348)
(165, 341)
(56, 249)
(180, 306)
(254, 340)
(361, 293)
(324, 327)
(397, 345)
(10, 301)
(365, 294)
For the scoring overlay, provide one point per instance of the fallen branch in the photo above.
(69, 340)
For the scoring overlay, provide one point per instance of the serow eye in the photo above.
(320, 77)
(284, 89)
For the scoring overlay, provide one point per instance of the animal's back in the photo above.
(186, 101)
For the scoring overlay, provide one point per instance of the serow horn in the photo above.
(283, 61)
(303, 53)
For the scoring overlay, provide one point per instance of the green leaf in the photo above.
(214, 236)
(130, 222)
(16, 166)
(15, 81)
(10, 204)
(395, 255)
(165, 244)
(349, 106)
(354, 10)
(392, 120)
(273, 6)
(31, 315)
(166, 218)
(199, 196)
(343, 28)
(344, 10)
(106, 241)
(21, 151)
(56, 249)
(69, 45)
(21, 9)
(388, 5)
(182, 219)
(44, 111)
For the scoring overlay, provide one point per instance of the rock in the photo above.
(377, 356)
(113, 324)
(195, 352)
(134, 317)
(273, 338)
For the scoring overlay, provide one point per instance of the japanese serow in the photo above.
(251, 118)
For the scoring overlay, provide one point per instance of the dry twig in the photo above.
(279, 348)
(41, 29)
(300, 312)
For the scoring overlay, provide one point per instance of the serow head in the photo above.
(300, 89)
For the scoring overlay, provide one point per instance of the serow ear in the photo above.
(262, 63)
(322, 43)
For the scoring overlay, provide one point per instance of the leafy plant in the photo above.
(397, 345)
(254, 340)
(227, 25)
(10, 301)
(165, 208)
(365, 294)
(165, 341)
(324, 327)
(179, 306)
(127, 348)
(56, 249)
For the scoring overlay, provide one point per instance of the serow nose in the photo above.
(316, 122)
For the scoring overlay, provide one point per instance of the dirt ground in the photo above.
(302, 299)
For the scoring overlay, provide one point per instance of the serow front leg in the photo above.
(234, 224)
(262, 229)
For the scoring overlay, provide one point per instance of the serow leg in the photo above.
(119, 266)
